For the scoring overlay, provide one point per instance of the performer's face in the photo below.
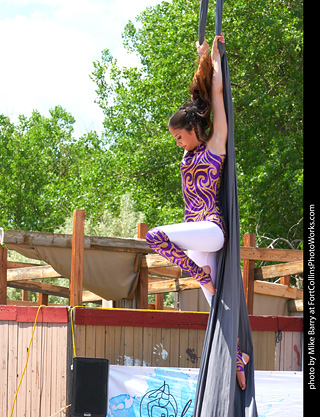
(187, 140)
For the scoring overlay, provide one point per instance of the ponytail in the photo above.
(196, 112)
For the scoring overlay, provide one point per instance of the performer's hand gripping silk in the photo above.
(203, 233)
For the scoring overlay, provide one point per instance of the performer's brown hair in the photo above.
(196, 112)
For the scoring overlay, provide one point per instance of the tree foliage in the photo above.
(45, 172)
(264, 47)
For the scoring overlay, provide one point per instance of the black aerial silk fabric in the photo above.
(218, 392)
(203, 20)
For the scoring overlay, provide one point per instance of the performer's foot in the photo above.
(240, 370)
(208, 286)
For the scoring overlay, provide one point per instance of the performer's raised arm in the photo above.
(220, 128)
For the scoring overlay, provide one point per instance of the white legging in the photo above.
(202, 240)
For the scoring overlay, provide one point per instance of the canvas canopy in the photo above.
(109, 266)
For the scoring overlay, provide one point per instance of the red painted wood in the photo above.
(178, 320)
(25, 314)
(8, 313)
(139, 318)
(276, 323)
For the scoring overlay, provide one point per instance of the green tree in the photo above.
(30, 164)
(45, 172)
(123, 224)
(264, 47)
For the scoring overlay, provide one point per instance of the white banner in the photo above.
(136, 391)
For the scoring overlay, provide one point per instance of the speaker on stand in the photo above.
(89, 387)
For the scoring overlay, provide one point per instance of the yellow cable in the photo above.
(72, 330)
(25, 367)
(72, 326)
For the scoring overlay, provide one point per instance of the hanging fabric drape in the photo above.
(203, 20)
(218, 393)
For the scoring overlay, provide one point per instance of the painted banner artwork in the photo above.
(138, 391)
(151, 392)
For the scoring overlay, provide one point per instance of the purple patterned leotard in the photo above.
(201, 172)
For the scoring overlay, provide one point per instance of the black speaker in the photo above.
(89, 387)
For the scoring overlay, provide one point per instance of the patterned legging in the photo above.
(202, 237)
(160, 242)
(202, 240)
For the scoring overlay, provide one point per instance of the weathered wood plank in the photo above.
(34, 272)
(277, 290)
(128, 346)
(13, 264)
(165, 342)
(118, 345)
(168, 285)
(157, 352)
(22, 237)
(192, 350)
(142, 285)
(272, 255)
(147, 346)
(137, 346)
(183, 345)
(90, 341)
(264, 351)
(174, 348)
(109, 344)
(248, 273)
(40, 287)
(80, 334)
(279, 270)
(4, 346)
(169, 271)
(48, 345)
(12, 365)
(76, 278)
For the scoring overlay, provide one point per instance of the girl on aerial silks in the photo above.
(204, 232)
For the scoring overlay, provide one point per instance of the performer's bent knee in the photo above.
(155, 237)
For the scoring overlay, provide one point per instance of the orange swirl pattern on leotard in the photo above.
(201, 173)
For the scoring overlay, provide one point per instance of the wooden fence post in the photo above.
(248, 273)
(76, 279)
(285, 280)
(3, 274)
(158, 301)
(42, 299)
(142, 289)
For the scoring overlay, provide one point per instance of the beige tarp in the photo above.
(107, 273)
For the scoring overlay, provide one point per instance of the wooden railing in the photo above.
(156, 275)
(174, 279)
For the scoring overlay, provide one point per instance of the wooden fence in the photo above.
(125, 337)
(43, 388)
(154, 338)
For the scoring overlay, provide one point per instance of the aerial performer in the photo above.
(204, 232)
(211, 233)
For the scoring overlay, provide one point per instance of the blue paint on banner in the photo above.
(170, 393)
